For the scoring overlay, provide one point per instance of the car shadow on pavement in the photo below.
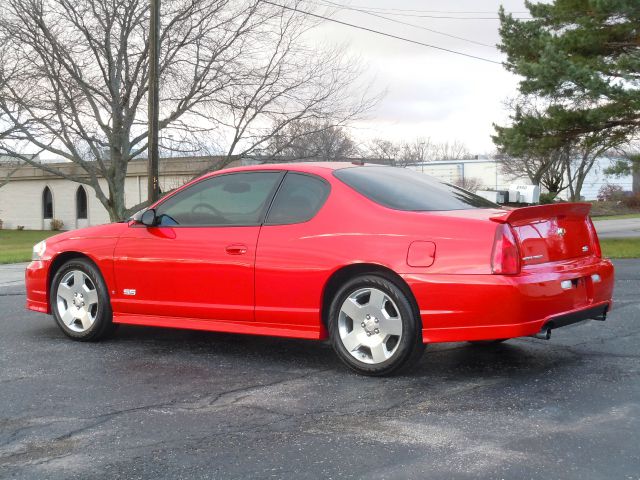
(446, 361)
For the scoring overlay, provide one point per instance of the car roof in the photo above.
(305, 167)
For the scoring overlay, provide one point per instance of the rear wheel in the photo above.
(374, 327)
(80, 301)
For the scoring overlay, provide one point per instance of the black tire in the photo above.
(409, 346)
(102, 325)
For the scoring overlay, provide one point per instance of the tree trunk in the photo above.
(635, 174)
(117, 176)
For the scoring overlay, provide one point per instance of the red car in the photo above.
(380, 260)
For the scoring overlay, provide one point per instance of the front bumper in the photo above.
(36, 282)
(456, 308)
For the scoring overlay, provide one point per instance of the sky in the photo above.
(429, 93)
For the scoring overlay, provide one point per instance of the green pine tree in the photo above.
(580, 59)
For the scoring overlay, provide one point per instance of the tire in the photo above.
(80, 301)
(383, 334)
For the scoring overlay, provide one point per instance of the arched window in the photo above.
(47, 204)
(81, 203)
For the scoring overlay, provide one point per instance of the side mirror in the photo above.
(149, 218)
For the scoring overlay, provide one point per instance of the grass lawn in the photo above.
(620, 247)
(617, 217)
(16, 245)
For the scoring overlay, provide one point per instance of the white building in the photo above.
(32, 197)
(489, 175)
(486, 171)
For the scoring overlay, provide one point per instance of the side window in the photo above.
(233, 199)
(298, 199)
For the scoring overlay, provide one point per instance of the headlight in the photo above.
(38, 250)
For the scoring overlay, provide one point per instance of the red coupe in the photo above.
(380, 260)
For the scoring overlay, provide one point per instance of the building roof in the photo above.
(137, 167)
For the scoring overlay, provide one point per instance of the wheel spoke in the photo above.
(68, 317)
(65, 292)
(351, 341)
(90, 296)
(379, 353)
(376, 299)
(352, 309)
(84, 318)
(78, 280)
(391, 326)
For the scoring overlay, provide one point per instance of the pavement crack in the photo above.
(215, 399)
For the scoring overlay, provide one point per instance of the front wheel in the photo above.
(374, 327)
(80, 301)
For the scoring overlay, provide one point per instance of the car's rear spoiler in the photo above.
(542, 212)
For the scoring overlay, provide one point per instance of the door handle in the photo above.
(236, 249)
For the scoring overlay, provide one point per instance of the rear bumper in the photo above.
(456, 308)
(597, 312)
(35, 278)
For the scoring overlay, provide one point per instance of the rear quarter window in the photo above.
(408, 190)
(298, 199)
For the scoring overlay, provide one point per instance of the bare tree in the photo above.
(522, 157)
(421, 149)
(472, 184)
(385, 150)
(417, 151)
(7, 169)
(584, 155)
(545, 168)
(455, 150)
(9, 164)
(233, 74)
(317, 141)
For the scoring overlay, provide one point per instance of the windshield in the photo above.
(404, 189)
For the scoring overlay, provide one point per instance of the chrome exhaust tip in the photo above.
(543, 334)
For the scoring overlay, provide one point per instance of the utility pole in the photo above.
(153, 188)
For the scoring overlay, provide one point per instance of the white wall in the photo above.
(488, 173)
(21, 201)
(490, 176)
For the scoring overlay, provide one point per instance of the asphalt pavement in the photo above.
(154, 403)
(618, 228)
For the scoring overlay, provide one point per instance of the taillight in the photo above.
(595, 242)
(505, 259)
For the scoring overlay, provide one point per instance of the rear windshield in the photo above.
(404, 189)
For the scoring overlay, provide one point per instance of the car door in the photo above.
(198, 261)
(293, 255)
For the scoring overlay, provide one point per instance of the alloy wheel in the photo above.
(77, 301)
(370, 325)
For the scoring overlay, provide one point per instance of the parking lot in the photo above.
(157, 403)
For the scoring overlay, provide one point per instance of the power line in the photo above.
(366, 12)
(378, 32)
(415, 13)
(448, 17)
(436, 11)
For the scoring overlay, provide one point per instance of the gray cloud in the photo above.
(446, 95)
